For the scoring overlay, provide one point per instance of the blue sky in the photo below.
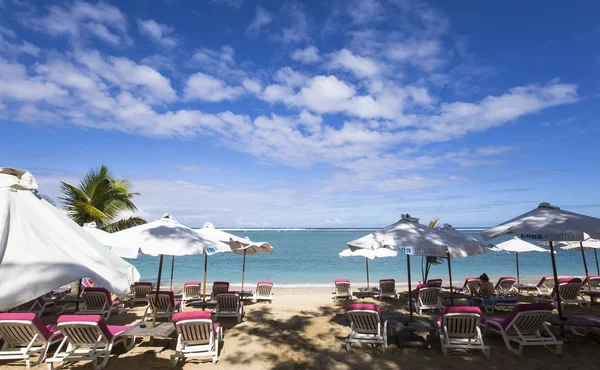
(308, 114)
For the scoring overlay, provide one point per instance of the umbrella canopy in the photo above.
(413, 238)
(42, 249)
(551, 224)
(517, 245)
(107, 239)
(548, 223)
(589, 244)
(166, 236)
(368, 254)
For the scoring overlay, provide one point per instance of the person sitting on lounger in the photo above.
(486, 288)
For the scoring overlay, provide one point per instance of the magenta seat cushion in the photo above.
(97, 319)
(46, 331)
(264, 283)
(191, 283)
(143, 283)
(342, 281)
(366, 307)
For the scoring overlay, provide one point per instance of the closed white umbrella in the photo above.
(42, 249)
(368, 254)
(551, 224)
(107, 239)
(517, 245)
(413, 238)
(589, 244)
(166, 236)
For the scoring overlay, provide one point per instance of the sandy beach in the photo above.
(306, 330)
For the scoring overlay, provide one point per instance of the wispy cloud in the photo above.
(261, 19)
(159, 33)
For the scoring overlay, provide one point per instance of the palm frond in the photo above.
(124, 224)
(434, 222)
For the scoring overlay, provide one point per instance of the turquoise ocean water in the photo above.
(309, 258)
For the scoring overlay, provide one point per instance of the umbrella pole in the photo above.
(172, 269)
(410, 302)
(597, 266)
(367, 263)
(243, 270)
(518, 275)
(587, 275)
(558, 300)
(160, 265)
(450, 277)
(205, 268)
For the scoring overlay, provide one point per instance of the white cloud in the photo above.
(365, 11)
(306, 55)
(10, 45)
(157, 32)
(219, 62)
(261, 19)
(252, 85)
(360, 66)
(335, 221)
(295, 24)
(80, 20)
(231, 3)
(289, 77)
(204, 87)
(494, 149)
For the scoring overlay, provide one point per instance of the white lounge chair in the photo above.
(197, 336)
(459, 328)
(342, 289)
(263, 292)
(229, 304)
(367, 325)
(166, 305)
(139, 292)
(524, 326)
(569, 293)
(40, 306)
(545, 285)
(219, 287)
(506, 286)
(191, 290)
(25, 335)
(594, 282)
(427, 298)
(471, 286)
(98, 301)
(387, 289)
(87, 338)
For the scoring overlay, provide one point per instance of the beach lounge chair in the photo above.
(40, 306)
(367, 325)
(25, 335)
(495, 303)
(197, 336)
(427, 297)
(166, 305)
(263, 292)
(459, 328)
(191, 290)
(342, 289)
(594, 282)
(435, 282)
(471, 286)
(98, 301)
(229, 304)
(88, 283)
(524, 326)
(569, 293)
(139, 292)
(87, 338)
(545, 285)
(506, 286)
(219, 287)
(387, 289)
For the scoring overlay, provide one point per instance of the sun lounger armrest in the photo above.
(494, 323)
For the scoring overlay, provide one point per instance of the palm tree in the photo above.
(427, 262)
(100, 198)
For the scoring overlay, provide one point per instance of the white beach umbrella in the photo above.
(551, 224)
(246, 246)
(589, 244)
(42, 249)
(413, 238)
(517, 245)
(166, 236)
(368, 254)
(107, 239)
